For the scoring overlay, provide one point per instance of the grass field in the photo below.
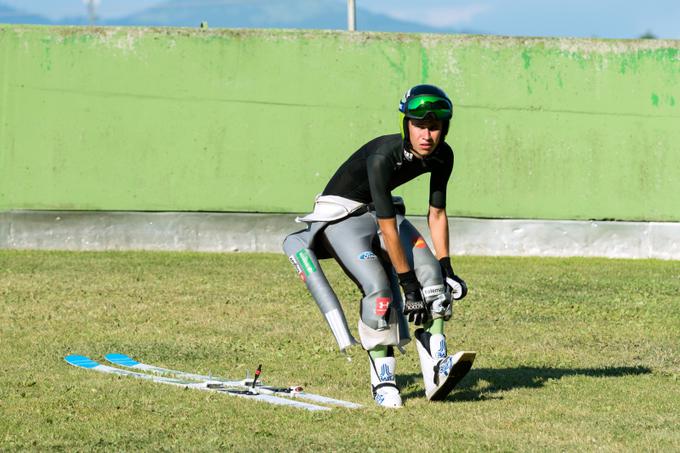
(573, 355)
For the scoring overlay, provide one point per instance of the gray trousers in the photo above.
(357, 246)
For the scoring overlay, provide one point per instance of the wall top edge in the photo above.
(599, 45)
(44, 213)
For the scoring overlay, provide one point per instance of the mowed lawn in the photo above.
(573, 354)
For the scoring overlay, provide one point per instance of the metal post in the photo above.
(351, 15)
(92, 11)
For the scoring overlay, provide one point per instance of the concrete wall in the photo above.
(246, 232)
(232, 120)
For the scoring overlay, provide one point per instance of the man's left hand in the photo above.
(455, 283)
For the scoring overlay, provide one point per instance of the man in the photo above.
(358, 222)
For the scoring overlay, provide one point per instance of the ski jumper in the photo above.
(344, 226)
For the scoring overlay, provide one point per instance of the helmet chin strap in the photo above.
(415, 153)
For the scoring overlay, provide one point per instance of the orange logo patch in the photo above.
(419, 243)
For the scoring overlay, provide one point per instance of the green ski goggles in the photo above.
(420, 106)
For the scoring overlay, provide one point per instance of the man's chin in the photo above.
(424, 152)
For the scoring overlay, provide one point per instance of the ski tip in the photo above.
(470, 356)
(465, 356)
(80, 361)
(121, 359)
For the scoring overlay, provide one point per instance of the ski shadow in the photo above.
(482, 384)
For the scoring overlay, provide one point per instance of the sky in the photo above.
(58, 9)
(578, 18)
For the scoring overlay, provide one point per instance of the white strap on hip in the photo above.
(330, 207)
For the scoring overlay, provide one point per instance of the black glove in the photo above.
(455, 283)
(414, 305)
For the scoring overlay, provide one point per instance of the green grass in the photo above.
(573, 354)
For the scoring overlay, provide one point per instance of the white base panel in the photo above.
(238, 232)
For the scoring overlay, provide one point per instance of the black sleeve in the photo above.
(439, 178)
(380, 171)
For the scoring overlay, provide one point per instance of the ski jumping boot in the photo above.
(383, 383)
(441, 372)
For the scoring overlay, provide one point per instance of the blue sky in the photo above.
(578, 18)
(582, 18)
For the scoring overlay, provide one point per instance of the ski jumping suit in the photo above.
(344, 226)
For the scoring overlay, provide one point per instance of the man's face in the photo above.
(424, 135)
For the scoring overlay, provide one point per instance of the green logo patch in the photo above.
(306, 262)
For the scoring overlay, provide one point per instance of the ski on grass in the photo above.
(87, 363)
(294, 391)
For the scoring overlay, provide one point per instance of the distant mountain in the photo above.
(10, 15)
(306, 14)
(302, 14)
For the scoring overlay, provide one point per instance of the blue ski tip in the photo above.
(80, 361)
(121, 359)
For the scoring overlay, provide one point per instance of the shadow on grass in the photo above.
(483, 383)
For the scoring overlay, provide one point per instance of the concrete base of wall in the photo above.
(230, 232)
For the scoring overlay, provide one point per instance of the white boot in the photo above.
(383, 383)
(437, 345)
(441, 373)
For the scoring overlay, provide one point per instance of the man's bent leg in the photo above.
(296, 247)
(352, 242)
(441, 372)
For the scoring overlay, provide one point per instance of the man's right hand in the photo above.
(415, 307)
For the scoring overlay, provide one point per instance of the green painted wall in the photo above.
(233, 120)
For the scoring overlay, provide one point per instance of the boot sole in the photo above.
(458, 372)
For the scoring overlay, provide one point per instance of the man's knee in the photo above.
(293, 243)
(375, 308)
(429, 273)
(381, 322)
